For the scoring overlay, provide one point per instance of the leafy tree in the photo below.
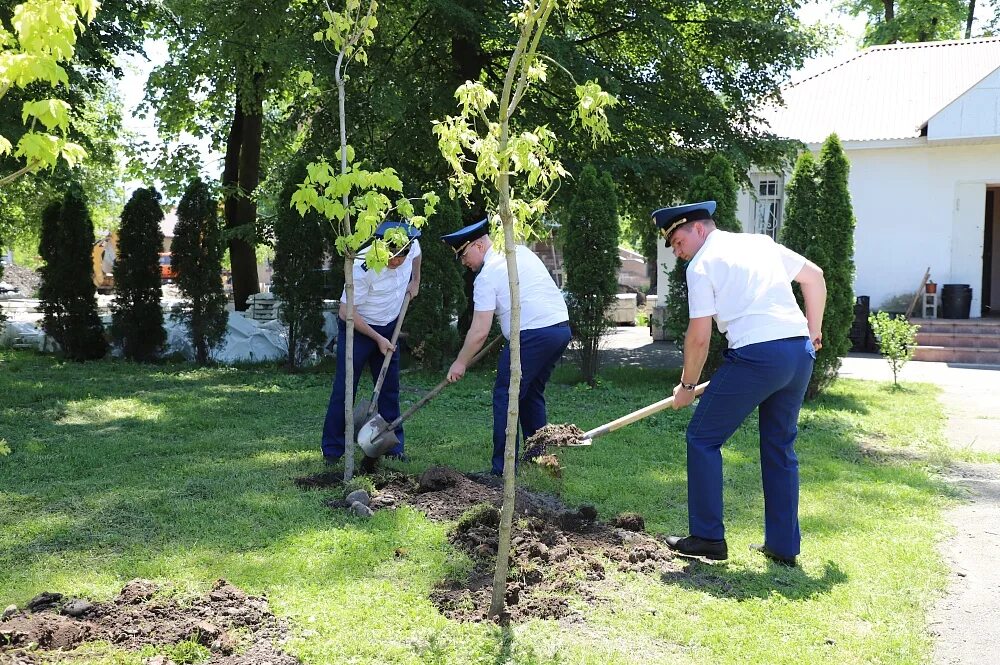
(717, 183)
(298, 278)
(833, 251)
(430, 335)
(43, 34)
(503, 154)
(355, 200)
(590, 250)
(68, 295)
(913, 20)
(196, 255)
(897, 339)
(136, 315)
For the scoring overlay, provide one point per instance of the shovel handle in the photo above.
(630, 418)
(388, 357)
(439, 387)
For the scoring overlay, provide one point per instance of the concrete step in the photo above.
(975, 340)
(957, 355)
(989, 326)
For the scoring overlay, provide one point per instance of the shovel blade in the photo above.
(361, 415)
(375, 438)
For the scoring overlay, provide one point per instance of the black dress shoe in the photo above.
(774, 556)
(695, 546)
(330, 460)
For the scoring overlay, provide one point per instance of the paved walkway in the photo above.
(965, 622)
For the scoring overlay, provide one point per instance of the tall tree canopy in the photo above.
(891, 21)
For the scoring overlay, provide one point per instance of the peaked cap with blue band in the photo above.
(460, 239)
(669, 220)
(412, 232)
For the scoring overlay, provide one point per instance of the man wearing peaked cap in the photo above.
(743, 281)
(544, 327)
(378, 298)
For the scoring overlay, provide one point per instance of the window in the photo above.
(767, 207)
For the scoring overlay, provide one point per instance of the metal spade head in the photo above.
(373, 440)
(361, 415)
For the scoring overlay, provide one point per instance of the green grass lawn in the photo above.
(184, 475)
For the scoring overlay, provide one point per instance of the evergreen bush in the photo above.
(68, 294)
(819, 224)
(590, 252)
(430, 336)
(298, 278)
(196, 255)
(136, 316)
(834, 253)
(717, 183)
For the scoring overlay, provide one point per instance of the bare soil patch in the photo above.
(238, 629)
(552, 436)
(559, 555)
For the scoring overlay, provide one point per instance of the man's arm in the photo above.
(813, 286)
(696, 342)
(474, 340)
(414, 286)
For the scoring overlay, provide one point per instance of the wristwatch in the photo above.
(688, 386)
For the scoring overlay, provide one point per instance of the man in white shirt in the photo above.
(544, 327)
(743, 281)
(378, 297)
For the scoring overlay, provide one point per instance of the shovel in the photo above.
(377, 437)
(589, 436)
(364, 409)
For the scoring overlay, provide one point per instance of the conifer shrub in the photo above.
(68, 294)
(299, 250)
(819, 224)
(196, 255)
(136, 315)
(428, 325)
(590, 252)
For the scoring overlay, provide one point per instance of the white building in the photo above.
(920, 124)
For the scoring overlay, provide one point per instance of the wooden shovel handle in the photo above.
(439, 387)
(388, 357)
(630, 418)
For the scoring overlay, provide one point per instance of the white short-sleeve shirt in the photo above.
(378, 296)
(743, 280)
(542, 304)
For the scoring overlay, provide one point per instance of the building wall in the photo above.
(975, 113)
(916, 207)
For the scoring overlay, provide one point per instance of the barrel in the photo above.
(956, 300)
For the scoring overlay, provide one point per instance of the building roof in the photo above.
(884, 92)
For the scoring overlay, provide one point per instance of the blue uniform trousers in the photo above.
(541, 348)
(772, 376)
(366, 353)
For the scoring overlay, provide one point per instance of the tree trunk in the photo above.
(890, 10)
(242, 254)
(970, 18)
(349, 438)
(241, 168)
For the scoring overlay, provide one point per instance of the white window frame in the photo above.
(768, 206)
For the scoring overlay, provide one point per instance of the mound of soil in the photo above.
(558, 554)
(237, 628)
(23, 279)
(552, 436)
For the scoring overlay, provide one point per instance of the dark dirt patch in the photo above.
(321, 480)
(558, 554)
(552, 436)
(629, 522)
(237, 628)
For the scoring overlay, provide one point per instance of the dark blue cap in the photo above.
(412, 232)
(669, 219)
(460, 239)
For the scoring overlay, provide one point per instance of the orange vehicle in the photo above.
(167, 273)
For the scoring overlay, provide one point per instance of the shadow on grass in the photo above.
(722, 582)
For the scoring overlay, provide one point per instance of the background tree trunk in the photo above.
(970, 18)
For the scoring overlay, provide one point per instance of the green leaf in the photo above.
(305, 78)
